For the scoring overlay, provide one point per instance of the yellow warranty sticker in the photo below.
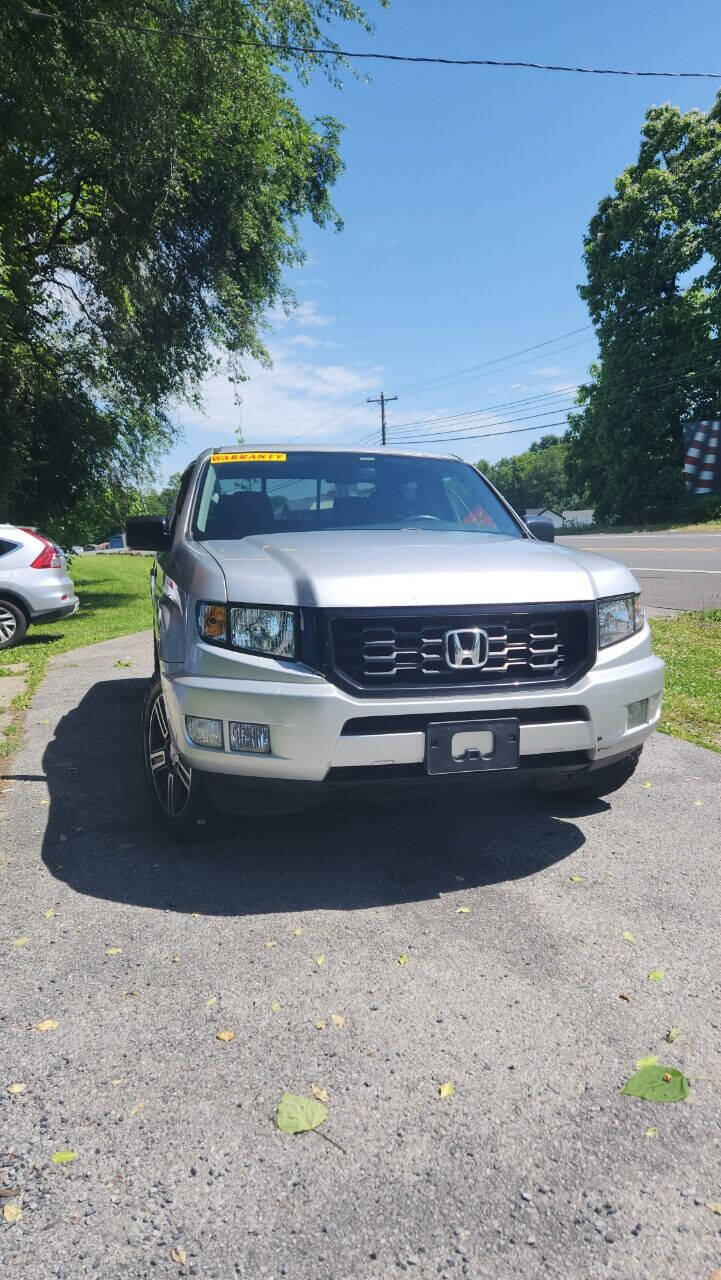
(248, 457)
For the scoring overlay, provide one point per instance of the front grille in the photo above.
(547, 644)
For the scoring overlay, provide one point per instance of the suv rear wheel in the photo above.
(13, 624)
(175, 790)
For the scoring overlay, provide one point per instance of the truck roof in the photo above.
(300, 447)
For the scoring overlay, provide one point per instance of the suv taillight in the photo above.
(49, 557)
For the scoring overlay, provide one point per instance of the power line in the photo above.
(333, 52)
(458, 373)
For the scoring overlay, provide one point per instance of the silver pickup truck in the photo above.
(329, 619)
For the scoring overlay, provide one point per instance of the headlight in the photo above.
(618, 619)
(262, 630)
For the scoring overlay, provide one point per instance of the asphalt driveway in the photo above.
(141, 954)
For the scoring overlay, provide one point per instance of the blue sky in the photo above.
(465, 199)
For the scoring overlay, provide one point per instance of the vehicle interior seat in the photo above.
(237, 514)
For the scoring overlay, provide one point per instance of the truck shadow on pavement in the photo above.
(101, 839)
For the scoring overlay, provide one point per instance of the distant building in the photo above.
(584, 516)
(545, 513)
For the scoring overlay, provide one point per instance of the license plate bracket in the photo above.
(472, 746)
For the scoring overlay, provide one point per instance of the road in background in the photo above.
(675, 570)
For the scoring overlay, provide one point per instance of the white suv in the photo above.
(34, 583)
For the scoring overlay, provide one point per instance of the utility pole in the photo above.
(382, 400)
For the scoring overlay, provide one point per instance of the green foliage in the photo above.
(653, 260)
(536, 478)
(151, 189)
(655, 1083)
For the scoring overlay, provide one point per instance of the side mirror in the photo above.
(148, 533)
(541, 529)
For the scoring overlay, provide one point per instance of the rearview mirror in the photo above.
(542, 529)
(147, 533)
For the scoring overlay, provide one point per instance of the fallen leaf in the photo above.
(63, 1157)
(297, 933)
(276, 1006)
(213, 1000)
(320, 1024)
(123, 662)
(646, 1062)
(656, 975)
(179, 1255)
(136, 1109)
(196, 915)
(623, 996)
(463, 911)
(20, 942)
(714, 1206)
(271, 944)
(577, 879)
(43, 801)
(320, 960)
(446, 1090)
(629, 937)
(337, 1019)
(657, 1084)
(652, 1131)
(672, 1034)
(320, 1094)
(299, 1115)
(647, 785)
(49, 913)
(17, 1087)
(48, 1025)
(698, 804)
(225, 1036)
(12, 1213)
(118, 1080)
(404, 958)
(113, 951)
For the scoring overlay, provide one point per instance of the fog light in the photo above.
(654, 704)
(637, 713)
(204, 732)
(249, 737)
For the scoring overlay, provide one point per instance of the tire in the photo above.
(602, 782)
(13, 625)
(176, 792)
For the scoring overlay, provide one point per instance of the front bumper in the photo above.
(316, 727)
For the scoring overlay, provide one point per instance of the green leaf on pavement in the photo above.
(657, 1083)
(672, 1034)
(646, 1062)
(404, 958)
(576, 879)
(64, 1157)
(296, 1114)
(656, 975)
(629, 937)
(652, 1131)
(446, 1090)
(276, 1006)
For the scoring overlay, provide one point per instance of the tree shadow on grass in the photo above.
(357, 857)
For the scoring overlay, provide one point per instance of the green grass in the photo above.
(691, 647)
(114, 601)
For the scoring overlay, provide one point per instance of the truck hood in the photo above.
(378, 568)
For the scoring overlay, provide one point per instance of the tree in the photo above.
(154, 167)
(653, 260)
(536, 478)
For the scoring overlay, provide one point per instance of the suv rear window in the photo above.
(313, 491)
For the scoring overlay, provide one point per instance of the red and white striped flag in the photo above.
(702, 462)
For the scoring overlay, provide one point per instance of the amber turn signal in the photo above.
(212, 621)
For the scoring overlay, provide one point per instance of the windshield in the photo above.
(248, 493)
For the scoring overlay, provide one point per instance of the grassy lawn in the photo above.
(114, 601)
(691, 647)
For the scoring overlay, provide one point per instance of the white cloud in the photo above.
(306, 315)
(304, 340)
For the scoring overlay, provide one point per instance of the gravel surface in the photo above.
(534, 1167)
